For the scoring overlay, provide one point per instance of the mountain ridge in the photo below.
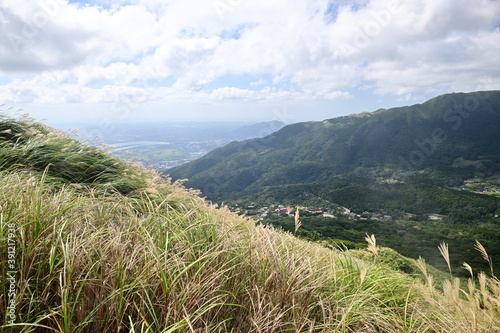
(432, 135)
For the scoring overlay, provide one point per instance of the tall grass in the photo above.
(475, 307)
(110, 264)
(27, 145)
(160, 259)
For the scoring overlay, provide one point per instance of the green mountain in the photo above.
(444, 141)
(415, 176)
(91, 243)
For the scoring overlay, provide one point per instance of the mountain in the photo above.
(391, 172)
(92, 243)
(444, 141)
(257, 130)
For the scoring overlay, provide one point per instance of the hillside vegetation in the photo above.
(94, 244)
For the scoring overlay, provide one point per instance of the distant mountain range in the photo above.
(176, 132)
(257, 130)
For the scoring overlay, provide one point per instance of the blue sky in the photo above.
(290, 60)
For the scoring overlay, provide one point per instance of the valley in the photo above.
(164, 145)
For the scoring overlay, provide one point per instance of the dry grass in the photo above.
(118, 264)
(484, 254)
(443, 249)
(475, 308)
(372, 244)
(298, 222)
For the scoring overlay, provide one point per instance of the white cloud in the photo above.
(184, 51)
(230, 92)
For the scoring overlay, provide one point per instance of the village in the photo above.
(263, 212)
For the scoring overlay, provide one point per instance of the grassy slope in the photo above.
(152, 257)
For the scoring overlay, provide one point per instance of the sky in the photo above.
(127, 61)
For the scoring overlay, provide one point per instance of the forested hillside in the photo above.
(443, 141)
